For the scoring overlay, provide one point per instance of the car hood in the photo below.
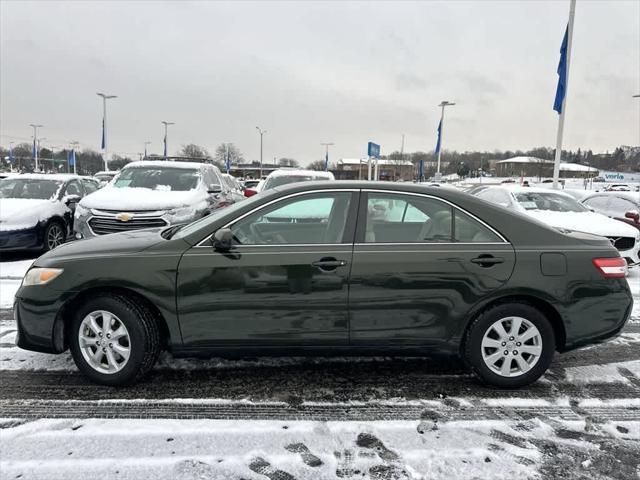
(134, 241)
(137, 199)
(588, 222)
(14, 208)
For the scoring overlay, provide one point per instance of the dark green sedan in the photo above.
(330, 268)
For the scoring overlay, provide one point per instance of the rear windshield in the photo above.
(548, 201)
(158, 178)
(286, 179)
(29, 188)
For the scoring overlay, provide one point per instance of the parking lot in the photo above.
(284, 418)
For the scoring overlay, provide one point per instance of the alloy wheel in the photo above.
(511, 346)
(104, 342)
(55, 236)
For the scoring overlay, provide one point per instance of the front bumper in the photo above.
(26, 239)
(40, 324)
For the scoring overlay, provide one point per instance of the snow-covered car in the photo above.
(36, 210)
(150, 194)
(618, 187)
(234, 186)
(561, 210)
(286, 176)
(105, 177)
(623, 206)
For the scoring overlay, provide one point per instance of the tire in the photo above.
(524, 366)
(140, 334)
(55, 229)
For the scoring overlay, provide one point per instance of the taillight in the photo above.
(249, 192)
(611, 267)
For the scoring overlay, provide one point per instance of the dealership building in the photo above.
(538, 167)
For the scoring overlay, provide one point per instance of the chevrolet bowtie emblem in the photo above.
(124, 217)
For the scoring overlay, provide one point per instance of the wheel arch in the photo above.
(545, 307)
(63, 319)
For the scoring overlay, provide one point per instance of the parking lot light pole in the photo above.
(262, 132)
(166, 124)
(35, 142)
(444, 103)
(105, 97)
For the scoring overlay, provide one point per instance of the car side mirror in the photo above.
(70, 199)
(633, 215)
(214, 188)
(222, 240)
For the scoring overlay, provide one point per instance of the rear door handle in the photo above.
(328, 263)
(487, 260)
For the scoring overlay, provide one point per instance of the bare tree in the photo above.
(193, 151)
(224, 149)
(288, 162)
(317, 165)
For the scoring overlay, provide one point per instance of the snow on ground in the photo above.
(287, 450)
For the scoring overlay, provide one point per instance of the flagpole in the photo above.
(105, 97)
(326, 155)
(35, 143)
(558, 156)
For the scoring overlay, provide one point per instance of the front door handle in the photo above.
(487, 260)
(328, 263)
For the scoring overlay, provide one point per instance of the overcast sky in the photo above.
(311, 72)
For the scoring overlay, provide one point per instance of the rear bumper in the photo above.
(612, 328)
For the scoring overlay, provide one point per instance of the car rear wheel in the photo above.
(509, 345)
(113, 340)
(54, 236)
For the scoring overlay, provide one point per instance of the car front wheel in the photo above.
(54, 236)
(113, 340)
(509, 345)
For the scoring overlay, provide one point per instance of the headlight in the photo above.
(80, 211)
(40, 276)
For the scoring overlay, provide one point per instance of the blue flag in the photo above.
(10, 154)
(71, 156)
(228, 160)
(33, 149)
(421, 170)
(104, 140)
(165, 146)
(326, 162)
(439, 133)
(145, 151)
(562, 74)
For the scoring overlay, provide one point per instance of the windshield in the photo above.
(286, 179)
(158, 178)
(548, 201)
(29, 188)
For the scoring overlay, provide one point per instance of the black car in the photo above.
(327, 268)
(36, 210)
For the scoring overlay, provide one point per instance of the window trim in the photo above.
(350, 214)
(362, 224)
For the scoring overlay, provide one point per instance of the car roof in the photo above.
(166, 164)
(61, 177)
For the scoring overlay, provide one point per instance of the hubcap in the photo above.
(104, 342)
(511, 346)
(55, 237)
